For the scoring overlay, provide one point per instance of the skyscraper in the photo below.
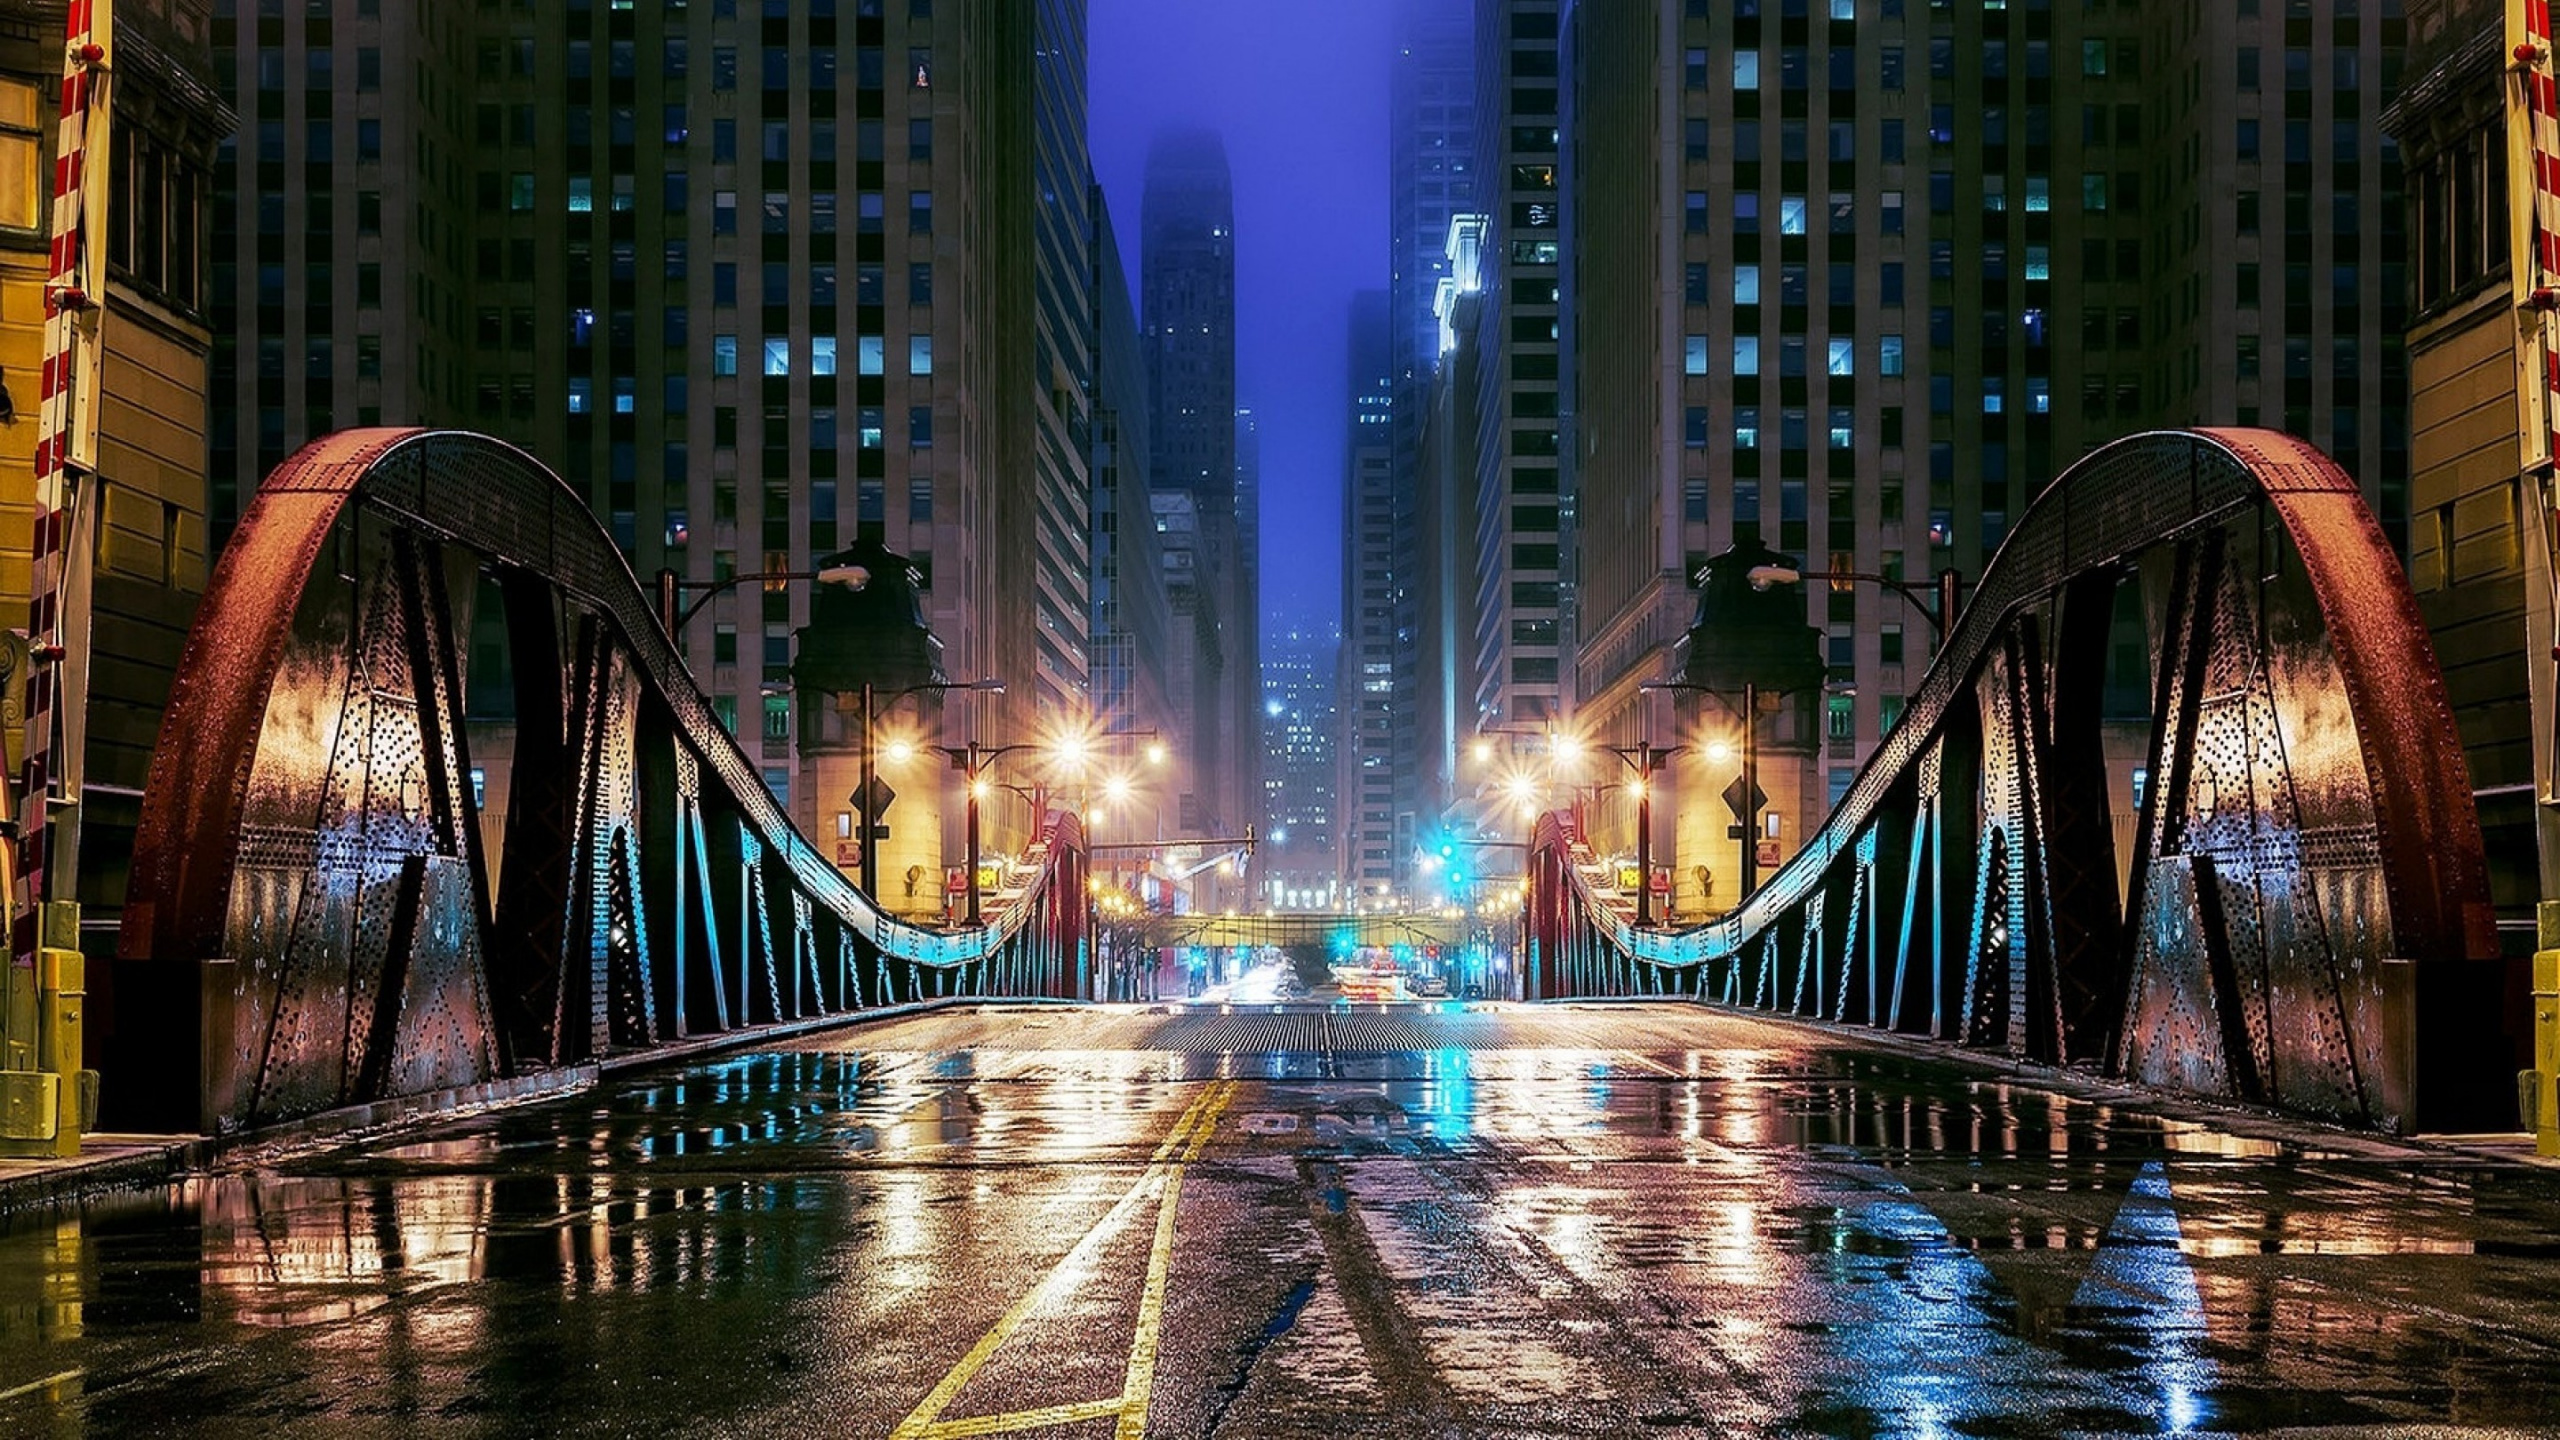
(1188, 278)
(1365, 828)
(684, 255)
(1431, 144)
(1519, 555)
(1297, 862)
(1132, 618)
(1925, 257)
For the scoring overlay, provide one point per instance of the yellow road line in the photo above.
(46, 1383)
(1195, 1125)
(1043, 1418)
(1140, 1387)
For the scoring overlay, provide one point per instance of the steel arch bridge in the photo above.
(2308, 920)
(314, 921)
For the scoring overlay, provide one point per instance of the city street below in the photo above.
(1310, 1220)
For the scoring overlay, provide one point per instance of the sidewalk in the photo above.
(105, 1162)
(110, 1161)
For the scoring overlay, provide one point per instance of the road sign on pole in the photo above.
(875, 798)
(1736, 795)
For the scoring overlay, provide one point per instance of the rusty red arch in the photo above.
(474, 504)
(2145, 494)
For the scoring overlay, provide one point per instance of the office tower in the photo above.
(1447, 795)
(1063, 239)
(756, 281)
(1299, 867)
(1520, 561)
(2480, 430)
(1431, 140)
(1245, 693)
(1132, 619)
(1188, 277)
(1372, 865)
(1860, 279)
(140, 517)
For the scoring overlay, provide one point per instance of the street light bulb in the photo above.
(1071, 752)
(1635, 789)
(901, 751)
(1483, 751)
(1719, 751)
(1116, 789)
(1155, 752)
(1567, 747)
(979, 789)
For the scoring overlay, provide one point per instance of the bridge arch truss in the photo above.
(2303, 918)
(314, 919)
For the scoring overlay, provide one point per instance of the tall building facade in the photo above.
(2036, 227)
(756, 280)
(140, 516)
(1188, 280)
(1444, 486)
(1131, 619)
(1299, 867)
(1372, 862)
(1062, 232)
(1431, 141)
(1520, 508)
(2480, 433)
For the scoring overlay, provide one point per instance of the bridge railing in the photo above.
(2303, 918)
(315, 919)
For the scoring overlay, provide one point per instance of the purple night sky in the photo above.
(1299, 89)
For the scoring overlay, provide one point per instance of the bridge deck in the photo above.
(1436, 1220)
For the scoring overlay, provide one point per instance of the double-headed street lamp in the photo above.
(972, 760)
(675, 616)
(1937, 605)
(862, 809)
(1647, 760)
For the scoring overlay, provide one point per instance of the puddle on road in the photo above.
(1911, 1238)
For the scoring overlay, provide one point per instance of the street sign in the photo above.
(1629, 877)
(848, 852)
(1734, 797)
(874, 798)
(955, 879)
(1766, 855)
(1661, 880)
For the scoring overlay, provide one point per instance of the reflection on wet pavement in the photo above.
(1436, 1220)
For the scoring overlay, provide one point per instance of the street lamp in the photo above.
(852, 577)
(1646, 760)
(862, 794)
(1939, 608)
(972, 761)
(1749, 809)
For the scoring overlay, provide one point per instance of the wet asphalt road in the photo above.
(1406, 1222)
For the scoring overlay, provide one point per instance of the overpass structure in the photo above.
(1305, 928)
(314, 921)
